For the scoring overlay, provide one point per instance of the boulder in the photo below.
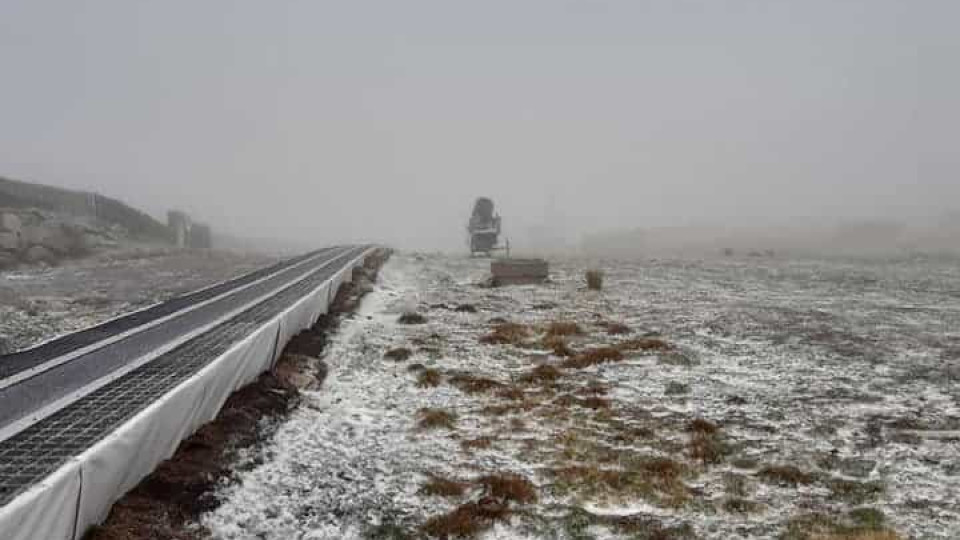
(9, 241)
(10, 222)
(59, 238)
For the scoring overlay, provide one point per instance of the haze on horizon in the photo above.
(324, 122)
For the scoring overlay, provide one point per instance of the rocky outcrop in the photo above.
(34, 236)
(44, 224)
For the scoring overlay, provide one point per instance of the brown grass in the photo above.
(398, 354)
(428, 378)
(562, 328)
(430, 418)
(862, 535)
(480, 443)
(593, 357)
(509, 487)
(438, 486)
(507, 333)
(655, 478)
(699, 425)
(707, 448)
(472, 384)
(736, 505)
(595, 388)
(512, 393)
(617, 329)
(785, 475)
(854, 492)
(466, 521)
(594, 279)
(595, 403)
(543, 373)
(557, 345)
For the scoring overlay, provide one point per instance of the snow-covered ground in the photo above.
(41, 302)
(794, 397)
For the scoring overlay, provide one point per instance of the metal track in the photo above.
(17, 362)
(38, 450)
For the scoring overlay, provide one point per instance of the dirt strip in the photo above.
(166, 503)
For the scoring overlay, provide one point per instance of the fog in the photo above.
(320, 122)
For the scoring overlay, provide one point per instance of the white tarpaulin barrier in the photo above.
(80, 494)
(48, 510)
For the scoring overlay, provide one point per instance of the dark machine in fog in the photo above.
(484, 228)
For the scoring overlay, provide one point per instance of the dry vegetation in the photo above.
(472, 384)
(429, 378)
(593, 357)
(438, 486)
(507, 333)
(430, 418)
(785, 475)
(602, 450)
(617, 329)
(563, 328)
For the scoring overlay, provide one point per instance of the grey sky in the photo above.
(283, 117)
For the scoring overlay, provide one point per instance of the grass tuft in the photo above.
(429, 377)
(543, 373)
(507, 333)
(593, 357)
(562, 329)
(472, 384)
(480, 443)
(509, 487)
(438, 486)
(699, 425)
(430, 418)
(617, 329)
(785, 475)
(557, 345)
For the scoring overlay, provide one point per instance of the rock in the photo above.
(10, 223)
(38, 254)
(9, 241)
(412, 318)
(399, 354)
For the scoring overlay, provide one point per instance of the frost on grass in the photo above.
(819, 401)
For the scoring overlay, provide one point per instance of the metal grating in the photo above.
(36, 452)
(23, 360)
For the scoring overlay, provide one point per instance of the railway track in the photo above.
(60, 399)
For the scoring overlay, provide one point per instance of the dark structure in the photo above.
(484, 228)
